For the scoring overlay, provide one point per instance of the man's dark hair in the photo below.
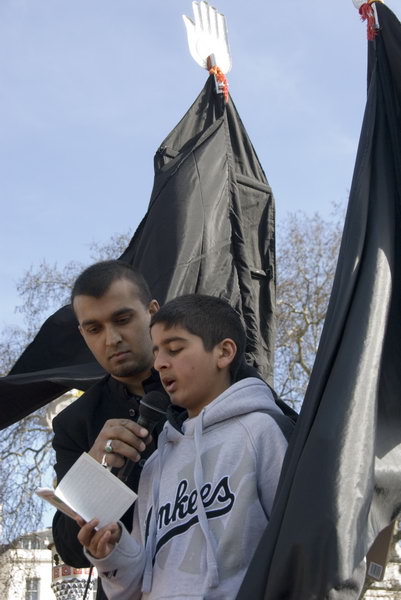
(96, 280)
(210, 318)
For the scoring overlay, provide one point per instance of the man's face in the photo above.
(191, 376)
(116, 330)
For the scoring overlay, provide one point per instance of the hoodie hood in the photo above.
(231, 403)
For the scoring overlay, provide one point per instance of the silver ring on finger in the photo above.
(108, 447)
(104, 462)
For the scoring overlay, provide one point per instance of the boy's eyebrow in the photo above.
(175, 338)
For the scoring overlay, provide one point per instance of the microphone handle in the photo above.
(126, 470)
(143, 422)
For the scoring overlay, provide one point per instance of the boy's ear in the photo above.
(226, 351)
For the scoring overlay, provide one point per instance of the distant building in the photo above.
(30, 569)
(26, 568)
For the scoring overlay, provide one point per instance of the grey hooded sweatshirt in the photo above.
(204, 499)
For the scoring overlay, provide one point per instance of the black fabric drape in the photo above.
(341, 481)
(209, 229)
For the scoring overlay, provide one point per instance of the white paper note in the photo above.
(91, 491)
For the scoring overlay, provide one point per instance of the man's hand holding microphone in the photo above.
(121, 441)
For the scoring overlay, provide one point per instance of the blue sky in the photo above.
(89, 89)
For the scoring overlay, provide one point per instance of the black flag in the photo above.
(341, 481)
(209, 229)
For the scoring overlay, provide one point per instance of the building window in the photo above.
(32, 588)
(30, 543)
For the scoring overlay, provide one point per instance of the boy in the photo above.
(206, 495)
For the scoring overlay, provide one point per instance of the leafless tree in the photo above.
(307, 250)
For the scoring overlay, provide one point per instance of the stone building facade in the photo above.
(30, 569)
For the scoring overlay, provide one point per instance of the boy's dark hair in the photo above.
(96, 280)
(210, 318)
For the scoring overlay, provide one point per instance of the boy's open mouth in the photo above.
(168, 384)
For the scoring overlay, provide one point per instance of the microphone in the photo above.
(152, 410)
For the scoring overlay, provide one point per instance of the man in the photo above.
(113, 306)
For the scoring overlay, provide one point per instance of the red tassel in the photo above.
(222, 79)
(367, 13)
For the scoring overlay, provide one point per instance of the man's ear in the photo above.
(153, 307)
(226, 351)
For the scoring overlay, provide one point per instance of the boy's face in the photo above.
(191, 376)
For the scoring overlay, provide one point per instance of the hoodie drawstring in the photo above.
(213, 575)
(151, 540)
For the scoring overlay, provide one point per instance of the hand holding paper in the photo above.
(99, 543)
